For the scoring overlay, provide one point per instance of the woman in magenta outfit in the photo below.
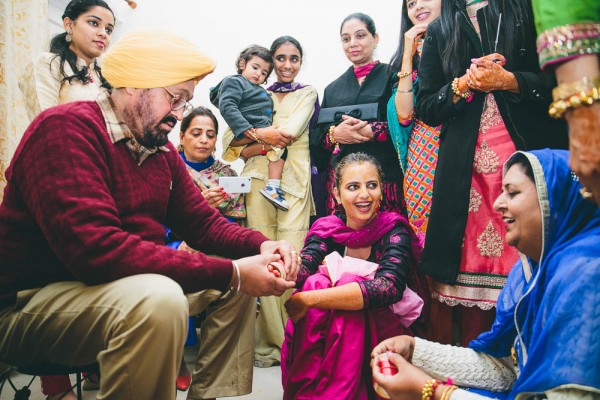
(337, 317)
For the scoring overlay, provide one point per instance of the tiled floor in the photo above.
(266, 384)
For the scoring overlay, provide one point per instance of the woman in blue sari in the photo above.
(547, 317)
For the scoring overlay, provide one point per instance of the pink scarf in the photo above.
(336, 229)
(365, 69)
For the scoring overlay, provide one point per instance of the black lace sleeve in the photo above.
(393, 254)
(313, 253)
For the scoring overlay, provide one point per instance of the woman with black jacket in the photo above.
(480, 79)
(353, 117)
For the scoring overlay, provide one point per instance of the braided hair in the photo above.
(60, 46)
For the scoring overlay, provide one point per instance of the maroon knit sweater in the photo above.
(78, 207)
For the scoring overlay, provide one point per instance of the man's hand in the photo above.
(289, 256)
(256, 278)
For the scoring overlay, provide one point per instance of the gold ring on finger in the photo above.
(585, 193)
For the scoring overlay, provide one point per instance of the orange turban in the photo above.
(152, 58)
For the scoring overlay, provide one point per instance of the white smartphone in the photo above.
(235, 184)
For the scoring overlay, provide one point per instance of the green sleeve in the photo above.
(552, 13)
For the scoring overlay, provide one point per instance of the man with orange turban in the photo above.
(85, 276)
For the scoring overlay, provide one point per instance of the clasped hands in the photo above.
(353, 130)
(487, 74)
(257, 272)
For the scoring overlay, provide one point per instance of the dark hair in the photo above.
(405, 25)
(198, 111)
(283, 40)
(522, 161)
(254, 51)
(60, 47)
(355, 158)
(515, 26)
(364, 18)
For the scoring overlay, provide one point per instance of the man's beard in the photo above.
(154, 138)
(148, 136)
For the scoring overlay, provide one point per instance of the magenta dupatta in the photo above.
(336, 229)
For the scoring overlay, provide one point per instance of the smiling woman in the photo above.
(70, 71)
(520, 207)
(319, 358)
(546, 323)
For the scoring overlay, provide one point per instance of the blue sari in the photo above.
(549, 312)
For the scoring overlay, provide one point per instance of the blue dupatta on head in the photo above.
(550, 312)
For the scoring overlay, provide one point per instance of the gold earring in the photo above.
(68, 37)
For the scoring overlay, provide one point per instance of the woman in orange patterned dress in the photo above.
(417, 143)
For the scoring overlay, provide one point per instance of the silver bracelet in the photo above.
(239, 279)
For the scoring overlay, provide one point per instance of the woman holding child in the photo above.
(294, 105)
(353, 289)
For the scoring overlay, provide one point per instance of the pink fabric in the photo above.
(332, 226)
(338, 267)
(334, 346)
(495, 146)
(364, 70)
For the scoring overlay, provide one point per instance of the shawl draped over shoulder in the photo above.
(549, 312)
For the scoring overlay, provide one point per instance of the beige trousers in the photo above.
(135, 329)
(275, 224)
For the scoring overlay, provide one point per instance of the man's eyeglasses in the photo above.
(178, 102)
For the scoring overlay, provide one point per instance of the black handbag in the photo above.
(333, 115)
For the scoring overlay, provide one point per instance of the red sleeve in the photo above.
(65, 181)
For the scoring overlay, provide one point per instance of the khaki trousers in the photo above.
(289, 225)
(135, 328)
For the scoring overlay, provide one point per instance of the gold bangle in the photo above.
(454, 86)
(408, 116)
(332, 139)
(585, 98)
(330, 135)
(565, 90)
(401, 74)
(448, 392)
(429, 389)
(263, 151)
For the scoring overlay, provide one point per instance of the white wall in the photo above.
(223, 28)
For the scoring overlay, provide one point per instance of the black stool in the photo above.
(44, 370)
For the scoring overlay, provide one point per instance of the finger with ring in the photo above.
(585, 193)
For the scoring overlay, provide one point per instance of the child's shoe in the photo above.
(275, 196)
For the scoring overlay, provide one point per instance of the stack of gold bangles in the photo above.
(466, 95)
(574, 95)
(427, 393)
